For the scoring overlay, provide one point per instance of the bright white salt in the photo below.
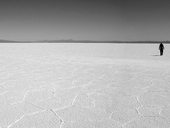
(84, 85)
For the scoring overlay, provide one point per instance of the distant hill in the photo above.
(7, 41)
(92, 41)
(81, 41)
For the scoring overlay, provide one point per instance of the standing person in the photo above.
(161, 48)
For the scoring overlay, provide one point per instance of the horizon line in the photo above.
(83, 41)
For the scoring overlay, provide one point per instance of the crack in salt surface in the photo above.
(137, 98)
(16, 121)
(10, 125)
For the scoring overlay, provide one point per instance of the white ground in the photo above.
(84, 86)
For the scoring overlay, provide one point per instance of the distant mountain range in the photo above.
(79, 41)
(7, 41)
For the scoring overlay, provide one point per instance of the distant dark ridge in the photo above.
(8, 41)
(84, 41)
(90, 41)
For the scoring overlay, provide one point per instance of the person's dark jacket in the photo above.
(161, 47)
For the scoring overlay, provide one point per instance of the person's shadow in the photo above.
(155, 55)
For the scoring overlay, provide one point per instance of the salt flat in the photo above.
(84, 86)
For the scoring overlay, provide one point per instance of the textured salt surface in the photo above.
(80, 92)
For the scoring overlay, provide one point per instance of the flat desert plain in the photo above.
(84, 86)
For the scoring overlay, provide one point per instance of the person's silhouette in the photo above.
(161, 48)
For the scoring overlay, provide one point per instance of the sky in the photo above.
(85, 20)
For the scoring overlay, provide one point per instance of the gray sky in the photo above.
(85, 19)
